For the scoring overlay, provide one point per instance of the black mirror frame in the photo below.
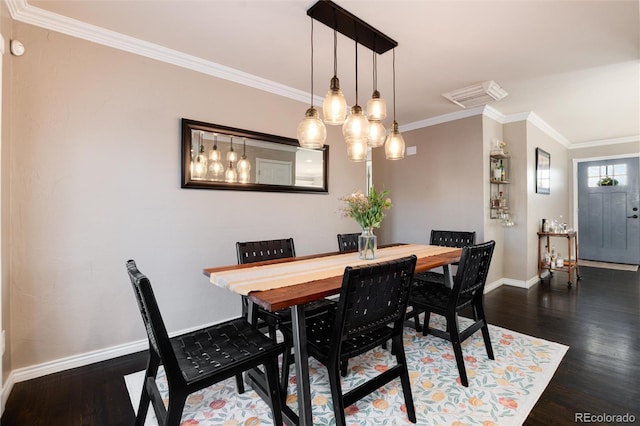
(187, 182)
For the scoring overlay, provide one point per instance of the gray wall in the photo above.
(94, 163)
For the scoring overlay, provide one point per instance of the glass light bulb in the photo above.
(214, 154)
(334, 107)
(243, 166)
(376, 107)
(311, 131)
(216, 168)
(394, 144)
(377, 133)
(232, 156)
(356, 126)
(357, 151)
(230, 175)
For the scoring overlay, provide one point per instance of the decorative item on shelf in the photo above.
(367, 210)
(607, 181)
(311, 131)
(244, 166)
(498, 147)
(361, 131)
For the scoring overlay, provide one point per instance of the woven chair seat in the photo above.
(428, 277)
(212, 350)
(320, 329)
(435, 297)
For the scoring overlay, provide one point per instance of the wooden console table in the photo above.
(571, 263)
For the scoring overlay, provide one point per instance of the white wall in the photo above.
(95, 180)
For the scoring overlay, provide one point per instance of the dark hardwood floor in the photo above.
(599, 319)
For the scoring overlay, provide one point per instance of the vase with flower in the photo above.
(368, 211)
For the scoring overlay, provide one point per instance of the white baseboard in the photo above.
(6, 391)
(493, 285)
(522, 284)
(58, 365)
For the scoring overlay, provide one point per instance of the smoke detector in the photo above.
(478, 94)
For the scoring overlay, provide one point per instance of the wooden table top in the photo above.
(284, 297)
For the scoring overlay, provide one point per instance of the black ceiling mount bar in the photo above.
(347, 24)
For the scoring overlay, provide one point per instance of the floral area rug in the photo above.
(501, 391)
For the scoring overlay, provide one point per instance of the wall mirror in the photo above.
(221, 157)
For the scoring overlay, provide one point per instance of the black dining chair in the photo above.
(442, 238)
(257, 251)
(199, 359)
(468, 290)
(373, 300)
(348, 242)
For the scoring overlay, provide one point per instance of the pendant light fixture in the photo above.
(356, 127)
(394, 144)
(200, 166)
(361, 130)
(230, 174)
(334, 107)
(244, 166)
(232, 156)
(376, 106)
(215, 165)
(376, 111)
(311, 131)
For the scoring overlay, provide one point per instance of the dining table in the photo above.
(293, 282)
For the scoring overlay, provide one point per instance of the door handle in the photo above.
(635, 216)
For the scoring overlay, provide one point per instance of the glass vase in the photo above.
(367, 244)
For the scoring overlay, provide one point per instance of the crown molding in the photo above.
(605, 142)
(21, 11)
(442, 119)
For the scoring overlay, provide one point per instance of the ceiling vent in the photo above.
(478, 94)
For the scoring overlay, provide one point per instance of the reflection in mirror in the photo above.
(219, 157)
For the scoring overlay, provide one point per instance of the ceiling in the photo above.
(574, 64)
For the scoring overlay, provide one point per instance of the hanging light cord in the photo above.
(335, 53)
(394, 84)
(356, 72)
(311, 62)
(375, 71)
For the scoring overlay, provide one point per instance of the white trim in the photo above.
(442, 119)
(492, 286)
(21, 11)
(55, 366)
(605, 142)
(2, 48)
(7, 387)
(521, 284)
(535, 119)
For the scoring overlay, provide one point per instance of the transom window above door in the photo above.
(607, 175)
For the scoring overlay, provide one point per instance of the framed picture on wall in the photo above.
(543, 171)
